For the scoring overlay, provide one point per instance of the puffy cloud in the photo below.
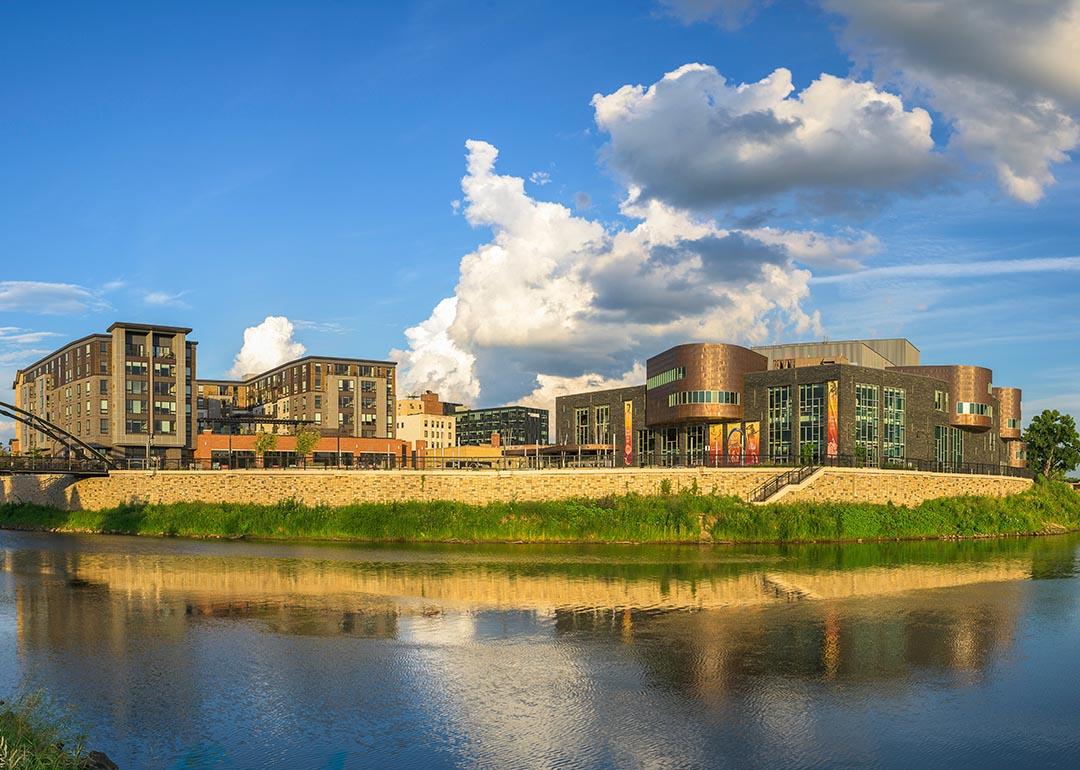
(693, 140)
(540, 178)
(730, 14)
(49, 298)
(550, 386)
(434, 361)
(553, 298)
(265, 346)
(1004, 73)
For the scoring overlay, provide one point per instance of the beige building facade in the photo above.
(127, 392)
(426, 418)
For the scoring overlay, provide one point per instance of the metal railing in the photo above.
(778, 482)
(30, 464)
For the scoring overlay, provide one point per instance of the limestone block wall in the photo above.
(871, 485)
(343, 488)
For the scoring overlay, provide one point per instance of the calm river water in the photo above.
(180, 654)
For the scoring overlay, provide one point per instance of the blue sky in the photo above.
(212, 166)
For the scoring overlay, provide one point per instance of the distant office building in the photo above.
(338, 396)
(426, 418)
(127, 392)
(516, 425)
(869, 400)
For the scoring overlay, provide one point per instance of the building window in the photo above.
(703, 397)
(866, 422)
(895, 407)
(581, 426)
(1012, 423)
(697, 436)
(812, 420)
(948, 445)
(779, 422)
(103, 407)
(103, 387)
(671, 375)
(603, 424)
(941, 400)
(971, 407)
(135, 426)
(104, 426)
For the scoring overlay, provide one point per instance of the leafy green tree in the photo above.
(1053, 445)
(264, 442)
(306, 439)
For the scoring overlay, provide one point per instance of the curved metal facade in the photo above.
(968, 385)
(1009, 409)
(706, 367)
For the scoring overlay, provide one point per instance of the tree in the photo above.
(306, 439)
(264, 442)
(1053, 445)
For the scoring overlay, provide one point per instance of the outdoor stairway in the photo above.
(782, 480)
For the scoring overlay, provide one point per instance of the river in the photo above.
(187, 654)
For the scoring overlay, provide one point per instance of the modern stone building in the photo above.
(515, 426)
(127, 392)
(869, 401)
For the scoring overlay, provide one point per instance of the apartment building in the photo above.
(128, 392)
(338, 396)
(425, 418)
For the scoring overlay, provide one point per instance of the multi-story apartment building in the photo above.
(870, 400)
(515, 425)
(339, 396)
(127, 392)
(426, 418)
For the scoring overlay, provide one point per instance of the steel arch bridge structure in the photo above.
(85, 459)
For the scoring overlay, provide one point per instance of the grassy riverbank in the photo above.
(29, 742)
(682, 517)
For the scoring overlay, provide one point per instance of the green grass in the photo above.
(28, 741)
(682, 517)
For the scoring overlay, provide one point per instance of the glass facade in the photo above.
(779, 422)
(895, 408)
(603, 424)
(812, 420)
(581, 426)
(671, 375)
(866, 422)
(703, 397)
(948, 445)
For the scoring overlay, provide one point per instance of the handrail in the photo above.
(796, 476)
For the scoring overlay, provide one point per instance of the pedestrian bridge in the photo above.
(81, 460)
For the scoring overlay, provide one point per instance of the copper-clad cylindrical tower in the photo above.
(971, 402)
(1009, 416)
(699, 382)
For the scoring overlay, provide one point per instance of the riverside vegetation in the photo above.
(30, 741)
(686, 516)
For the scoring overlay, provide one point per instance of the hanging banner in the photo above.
(752, 442)
(734, 443)
(832, 434)
(716, 444)
(628, 433)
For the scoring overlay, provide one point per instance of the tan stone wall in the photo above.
(342, 488)
(870, 485)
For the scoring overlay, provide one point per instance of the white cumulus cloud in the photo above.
(553, 297)
(1005, 74)
(694, 140)
(265, 346)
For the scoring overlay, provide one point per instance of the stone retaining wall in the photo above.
(343, 488)
(871, 485)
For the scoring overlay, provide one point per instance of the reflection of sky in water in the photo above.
(172, 653)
